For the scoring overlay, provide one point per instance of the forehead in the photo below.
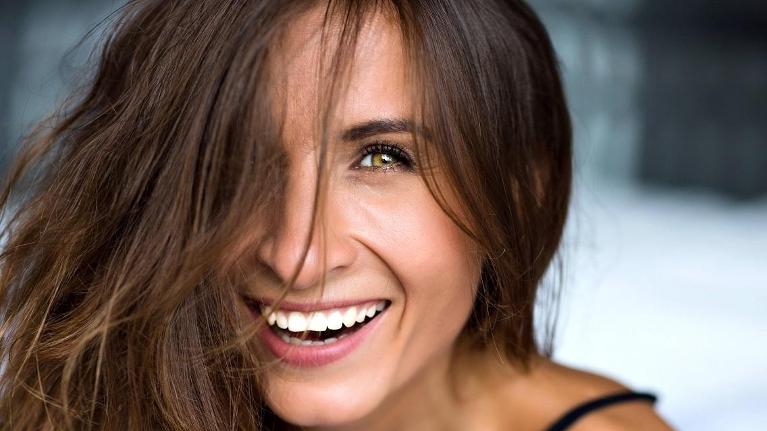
(376, 86)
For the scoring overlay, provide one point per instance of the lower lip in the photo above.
(316, 356)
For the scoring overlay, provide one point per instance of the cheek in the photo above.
(439, 277)
(435, 264)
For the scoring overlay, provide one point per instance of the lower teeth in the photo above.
(299, 342)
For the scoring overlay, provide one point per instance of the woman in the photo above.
(268, 215)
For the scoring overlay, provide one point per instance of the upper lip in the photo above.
(310, 306)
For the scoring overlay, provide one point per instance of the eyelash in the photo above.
(402, 156)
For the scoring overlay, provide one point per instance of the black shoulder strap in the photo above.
(576, 413)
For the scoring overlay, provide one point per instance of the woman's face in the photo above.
(391, 252)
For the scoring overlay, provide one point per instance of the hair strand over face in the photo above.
(122, 214)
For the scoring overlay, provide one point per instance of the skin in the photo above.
(387, 238)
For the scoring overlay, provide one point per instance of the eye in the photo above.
(385, 156)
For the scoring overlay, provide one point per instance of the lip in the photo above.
(316, 356)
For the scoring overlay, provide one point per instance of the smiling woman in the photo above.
(269, 214)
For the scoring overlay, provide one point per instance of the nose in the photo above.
(281, 251)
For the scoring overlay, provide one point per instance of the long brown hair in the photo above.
(122, 210)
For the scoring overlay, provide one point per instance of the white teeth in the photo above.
(335, 320)
(281, 320)
(296, 322)
(300, 342)
(350, 317)
(319, 321)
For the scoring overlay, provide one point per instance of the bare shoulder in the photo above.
(571, 387)
(551, 390)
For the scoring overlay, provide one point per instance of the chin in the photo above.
(323, 405)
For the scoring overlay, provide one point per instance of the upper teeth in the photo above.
(297, 321)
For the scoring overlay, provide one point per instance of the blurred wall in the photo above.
(669, 94)
(41, 59)
(704, 95)
(665, 252)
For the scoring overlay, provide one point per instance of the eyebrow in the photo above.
(381, 126)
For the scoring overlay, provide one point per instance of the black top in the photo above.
(577, 412)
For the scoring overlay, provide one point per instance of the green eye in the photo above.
(382, 156)
(378, 160)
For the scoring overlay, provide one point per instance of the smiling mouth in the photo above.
(321, 327)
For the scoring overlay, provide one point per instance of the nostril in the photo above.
(284, 262)
(291, 253)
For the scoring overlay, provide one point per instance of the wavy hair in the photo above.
(121, 212)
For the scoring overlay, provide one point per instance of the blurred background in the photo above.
(665, 254)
